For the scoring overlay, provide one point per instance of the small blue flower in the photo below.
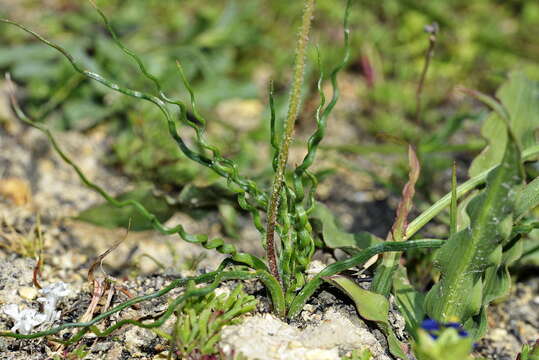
(433, 327)
(430, 325)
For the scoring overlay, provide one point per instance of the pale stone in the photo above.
(264, 337)
(498, 335)
(28, 293)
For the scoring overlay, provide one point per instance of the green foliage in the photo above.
(358, 259)
(334, 237)
(447, 346)
(466, 286)
(220, 45)
(109, 216)
(529, 352)
(200, 320)
(527, 199)
(410, 302)
(488, 244)
(211, 279)
(519, 98)
(473, 261)
(291, 222)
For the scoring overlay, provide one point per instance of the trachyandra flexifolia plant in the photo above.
(200, 320)
(472, 261)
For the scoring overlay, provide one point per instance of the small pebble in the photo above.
(498, 335)
(28, 293)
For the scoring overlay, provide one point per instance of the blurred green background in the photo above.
(231, 49)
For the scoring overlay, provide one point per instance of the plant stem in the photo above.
(293, 109)
(453, 206)
(432, 30)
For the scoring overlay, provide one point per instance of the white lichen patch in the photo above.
(25, 320)
(265, 337)
(52, 294)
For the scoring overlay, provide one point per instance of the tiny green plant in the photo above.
(473, 261)
(79, 353)
(529, 351)
(200, 320)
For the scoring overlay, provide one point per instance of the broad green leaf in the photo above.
(497, 285)
(468, 254)
(494, 130)
(109, 216)
(527, 198)
(335, 237)
(463, 220)
(372, 307)
(497, 280)
(520, 97)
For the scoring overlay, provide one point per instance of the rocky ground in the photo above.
(39, 195)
